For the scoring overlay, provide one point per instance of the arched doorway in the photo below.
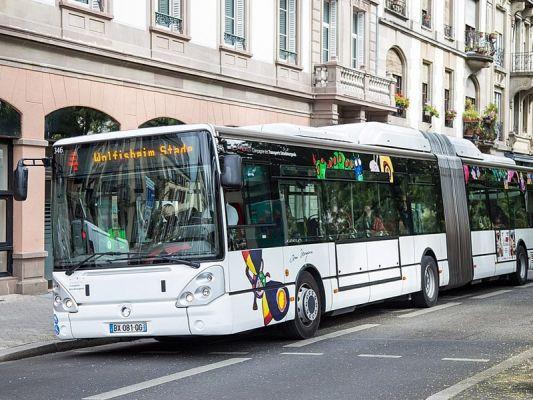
(160, 121)
(396, 68)
(63, 123)
(10, 128)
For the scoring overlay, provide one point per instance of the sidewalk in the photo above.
(26, 328)
(25, 319)
(515, 383)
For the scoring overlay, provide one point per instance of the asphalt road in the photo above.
(383, 351)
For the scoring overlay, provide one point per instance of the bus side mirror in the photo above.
(231, 177)
(20, 182)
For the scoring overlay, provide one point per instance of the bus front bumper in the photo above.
(161, 319)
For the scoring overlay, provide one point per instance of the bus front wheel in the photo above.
(308, 308)
(429, 294)
(520, 276)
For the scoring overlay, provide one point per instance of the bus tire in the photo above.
(520, 276)
(308, 308)
(429, 294)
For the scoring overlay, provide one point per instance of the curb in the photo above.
(53, 346)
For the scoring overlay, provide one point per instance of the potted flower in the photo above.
(489, 119)
(430, 111)
(450, 115)
(471, 121)
(402, 102)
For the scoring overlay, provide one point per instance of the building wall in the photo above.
(120, 62)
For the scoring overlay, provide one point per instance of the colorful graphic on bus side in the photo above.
(275, 299)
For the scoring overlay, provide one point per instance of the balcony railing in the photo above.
(499, 57)
(234, 40)
(397, 6)
(479, 43)
(523, 62)
(448, 31)
(169, 21)
(334, 79)
(426, 19)
(498, 130)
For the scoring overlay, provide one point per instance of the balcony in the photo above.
(351, 86)
(168, 21)
(479, 49)
(397, 7)
(499, 58)
(521, 72)
(523, 63)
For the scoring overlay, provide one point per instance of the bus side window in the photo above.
(302, 211)
(257, 213)
(499, 208)
(478, 207)
(517, 206)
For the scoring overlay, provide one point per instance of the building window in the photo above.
(499, 51)
(358, 39)
(448, 99)
(448, 19)
(426, 89)
(499, 122)
(426, 14)
(234, 24)
(287, 31)
(97, 5)
(396, 69)
(169, 14)
(329, 30)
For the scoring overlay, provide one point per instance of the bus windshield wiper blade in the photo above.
(165, 257)
(170, 257)
(92, 257)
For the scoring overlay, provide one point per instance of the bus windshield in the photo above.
(137, 198)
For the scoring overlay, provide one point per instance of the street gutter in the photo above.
(53, 346)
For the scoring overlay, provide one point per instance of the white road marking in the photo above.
(331, 335)
(428, 310)
(302, 354)
(378, 356)
(229, 353)
(526, 286)
(491, 294)
(481, 360)
(165, 379)
(467, 383)
(404, 310)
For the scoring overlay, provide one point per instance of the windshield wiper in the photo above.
(165, 257)
(92, 257)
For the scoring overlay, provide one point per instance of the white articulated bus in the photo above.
(203, 230)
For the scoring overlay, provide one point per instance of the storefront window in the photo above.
(9, 120)
(3, 262)
(161, 121)
(3, 167)
(3, 220)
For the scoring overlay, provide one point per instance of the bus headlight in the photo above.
(203, 289)
(63, 301)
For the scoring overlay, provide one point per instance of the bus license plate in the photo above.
(128, 327)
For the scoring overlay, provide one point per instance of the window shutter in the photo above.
(360, 39)
(162, 7)
(229, 17)
(239, 23)
(283, 25)
(292, 26)
(176, 8)
(333, 30)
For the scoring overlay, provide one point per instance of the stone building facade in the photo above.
(70, 67)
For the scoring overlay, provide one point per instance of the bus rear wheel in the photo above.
(308, 308)
(520, 276)
(429, 294)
